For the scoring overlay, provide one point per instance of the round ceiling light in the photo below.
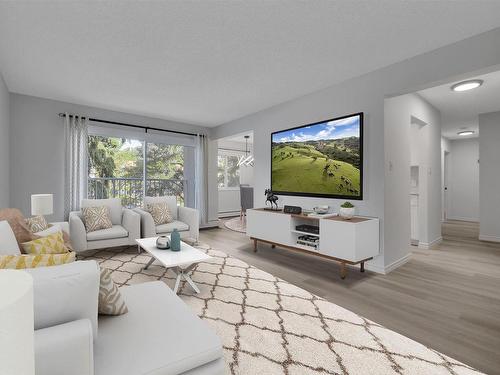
(467, 85)
(466, 132)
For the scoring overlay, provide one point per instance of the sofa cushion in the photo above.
(96, 218)
(170, 200)
(51, 244)
(159, 335)
(168, 228)
(160, 213)
(116, 231)
(66, 293)
(114, 204)
(25, 261)
(17, 222)
(37, 223)
(110, 299)
(8, 242)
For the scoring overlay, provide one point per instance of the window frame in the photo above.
(187, 141)
(226, 153)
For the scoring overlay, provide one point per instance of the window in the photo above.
(228, 171)
(116, 168)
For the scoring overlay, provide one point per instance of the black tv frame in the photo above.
(331, 196)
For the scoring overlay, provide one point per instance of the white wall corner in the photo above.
(384, 270)
(430, 245)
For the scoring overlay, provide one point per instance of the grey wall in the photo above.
(367, 94)
(463, 180)
(4, 144)
(37, 146)
(489, 176)
(401, 138)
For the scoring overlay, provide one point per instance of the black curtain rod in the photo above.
(146, 128)
(230, 149)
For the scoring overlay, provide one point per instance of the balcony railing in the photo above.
(131, 191)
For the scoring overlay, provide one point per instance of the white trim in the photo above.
(460, 218)
(428, 245)
(390, 267)
(483, 237)
(225, 214)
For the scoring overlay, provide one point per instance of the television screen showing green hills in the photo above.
(318, 159)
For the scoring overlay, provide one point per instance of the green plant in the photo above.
(347, 205)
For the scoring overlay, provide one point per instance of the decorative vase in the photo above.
(347, 213)
(163, 243)
(175, 240)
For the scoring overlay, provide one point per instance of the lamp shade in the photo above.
(17, 354)
(42, 204)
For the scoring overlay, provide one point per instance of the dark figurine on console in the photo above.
(271, 198)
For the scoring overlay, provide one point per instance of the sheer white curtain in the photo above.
(201, 181)
(75, 189)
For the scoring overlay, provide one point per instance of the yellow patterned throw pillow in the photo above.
(96, 217)
(51, 244)
(33, 261)
(160, 213)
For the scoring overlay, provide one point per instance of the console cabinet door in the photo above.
(270, 226)
(337, 239)
(349, 240)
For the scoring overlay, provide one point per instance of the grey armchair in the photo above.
(186, 220)
(246, 199)
(126, 227)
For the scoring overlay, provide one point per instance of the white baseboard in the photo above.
(228, 214)
(384, 270)
(461, 218)
(429, 245)
(484, 237)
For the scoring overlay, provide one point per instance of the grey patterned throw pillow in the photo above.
(111, 301)
(160, 213)
(95, 218)
(37, 223)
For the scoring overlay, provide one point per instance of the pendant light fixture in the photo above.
(248, 159)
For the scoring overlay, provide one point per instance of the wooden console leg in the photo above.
(343, 271)
(254, 246)
(362, 267)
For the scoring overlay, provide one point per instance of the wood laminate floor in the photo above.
(447, 298)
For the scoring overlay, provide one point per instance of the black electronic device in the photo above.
(296, 210)
(308, 228)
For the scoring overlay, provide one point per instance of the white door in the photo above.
(446, 195)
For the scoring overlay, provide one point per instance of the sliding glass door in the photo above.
(130, 168)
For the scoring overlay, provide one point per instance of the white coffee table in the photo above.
(182, 262)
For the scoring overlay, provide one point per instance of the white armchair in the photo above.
(186, 220)
(126, 227)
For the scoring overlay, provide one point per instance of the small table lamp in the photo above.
(17, 352)
(42, 204)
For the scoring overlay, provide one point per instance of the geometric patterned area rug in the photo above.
(269, 326)
(236, 224)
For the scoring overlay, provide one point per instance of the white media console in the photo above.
(351, 242)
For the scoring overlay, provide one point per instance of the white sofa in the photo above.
(126, 227)
(159, 335)
(186, 220)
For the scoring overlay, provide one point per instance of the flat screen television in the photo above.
(322, 159)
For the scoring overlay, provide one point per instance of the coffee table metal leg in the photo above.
(183, 274)
(191, 282)
(177, 282)
(149, 263)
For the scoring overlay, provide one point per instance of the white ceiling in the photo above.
(460, 110)
(209, 62)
